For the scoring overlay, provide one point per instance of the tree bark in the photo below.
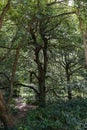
(41, 80)
(14, 71)
(5, 114)
(42, 89)
(83, 28)
(41, 63)
(68, 82)
(84, 35)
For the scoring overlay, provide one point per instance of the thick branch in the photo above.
(31, 86)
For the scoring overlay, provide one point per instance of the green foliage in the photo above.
(69, 115)
(64, 49)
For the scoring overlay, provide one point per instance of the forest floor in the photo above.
(22, 109)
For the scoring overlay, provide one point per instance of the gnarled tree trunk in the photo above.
(40, 50)
(5, 114)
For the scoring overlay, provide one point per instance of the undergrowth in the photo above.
(61, 115)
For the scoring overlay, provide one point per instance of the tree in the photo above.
(80, 7)
(41, 26)
(5, 114)
(36, 29)
(68, 50)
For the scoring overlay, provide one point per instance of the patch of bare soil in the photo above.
(23, 108)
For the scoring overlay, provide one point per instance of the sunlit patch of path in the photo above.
(23, 108)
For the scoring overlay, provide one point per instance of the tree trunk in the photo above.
(41, 63)
(85, 46)
(83, 28)
(14, 71)
(42, 92)
(41, 79)
(69, 92)
(5, 115)
(68, 83)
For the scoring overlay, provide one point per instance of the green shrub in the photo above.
(70, 115)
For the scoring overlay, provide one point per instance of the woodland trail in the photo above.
(22, 109)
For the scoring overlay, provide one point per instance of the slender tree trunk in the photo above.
(14, 71)
(68, 84)
(83, 28)
(69, 88)
(84, 35)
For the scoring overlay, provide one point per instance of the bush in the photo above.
(70, 115)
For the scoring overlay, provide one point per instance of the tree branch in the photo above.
(5, 47)
(55, 2)
(75, 70)
(58, 15)
(9, 48)
(31, 74)
(5, 9)
(31, 86)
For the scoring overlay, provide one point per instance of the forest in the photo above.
(43, 64)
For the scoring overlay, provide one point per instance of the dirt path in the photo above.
(23, 108)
